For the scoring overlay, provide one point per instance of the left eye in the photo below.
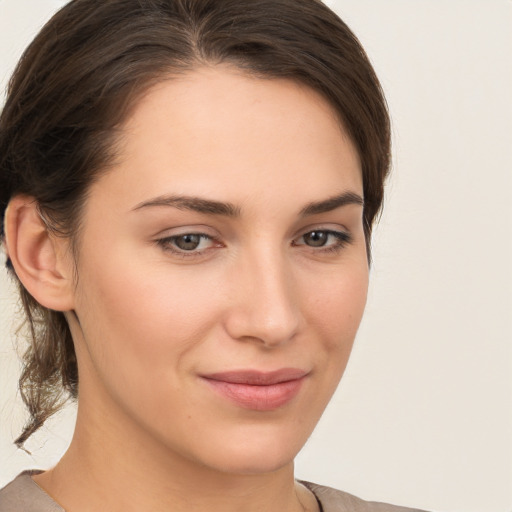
(324, 238)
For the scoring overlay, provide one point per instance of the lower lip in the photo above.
(258, 398)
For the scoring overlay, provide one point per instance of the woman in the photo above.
(188, 190)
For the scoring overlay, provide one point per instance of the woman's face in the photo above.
(222, 271)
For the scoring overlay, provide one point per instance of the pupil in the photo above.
(316, 238)
(188, 242)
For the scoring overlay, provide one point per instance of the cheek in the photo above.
(143, 317)
(337, 307)
(336, 312)
(142, 326)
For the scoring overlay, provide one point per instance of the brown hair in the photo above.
(75, 83)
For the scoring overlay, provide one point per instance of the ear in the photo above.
(41, 260)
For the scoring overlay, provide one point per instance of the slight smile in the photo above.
(256, 390)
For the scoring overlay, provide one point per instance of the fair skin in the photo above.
(276, 281)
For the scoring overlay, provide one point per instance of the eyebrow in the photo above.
(332, 203)
(208, 206)
(196, 204)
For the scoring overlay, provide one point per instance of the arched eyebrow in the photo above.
(196, 204)
(331, 203)
(210, 207)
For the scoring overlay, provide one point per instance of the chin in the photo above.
(255, 451)
(252, 462)
(243, 450)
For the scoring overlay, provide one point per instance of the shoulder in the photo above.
(23, 495)
(333, 500)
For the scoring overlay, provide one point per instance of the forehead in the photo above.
(218, 131)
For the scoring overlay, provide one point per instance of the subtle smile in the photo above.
(260, 391)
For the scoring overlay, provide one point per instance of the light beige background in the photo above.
(424, 413)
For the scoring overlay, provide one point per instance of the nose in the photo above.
(264, 305)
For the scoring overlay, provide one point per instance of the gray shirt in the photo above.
(24, 495)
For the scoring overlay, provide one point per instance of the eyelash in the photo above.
(342, 240)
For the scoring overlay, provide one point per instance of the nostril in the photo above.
(265, 304)
(270, 323)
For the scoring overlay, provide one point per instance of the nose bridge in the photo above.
(265, 306)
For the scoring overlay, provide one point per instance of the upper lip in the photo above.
(257, 377)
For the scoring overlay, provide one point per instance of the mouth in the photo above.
(256, 390)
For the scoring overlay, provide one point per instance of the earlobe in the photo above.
(38, 257)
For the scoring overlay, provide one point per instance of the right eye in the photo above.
(187, 244)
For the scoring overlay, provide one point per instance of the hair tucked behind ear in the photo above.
(50, 371)
(77, 81)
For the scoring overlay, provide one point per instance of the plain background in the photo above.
(423, 416)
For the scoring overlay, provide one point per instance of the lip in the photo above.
(257, 390)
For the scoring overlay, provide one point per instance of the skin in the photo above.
(148, 321)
